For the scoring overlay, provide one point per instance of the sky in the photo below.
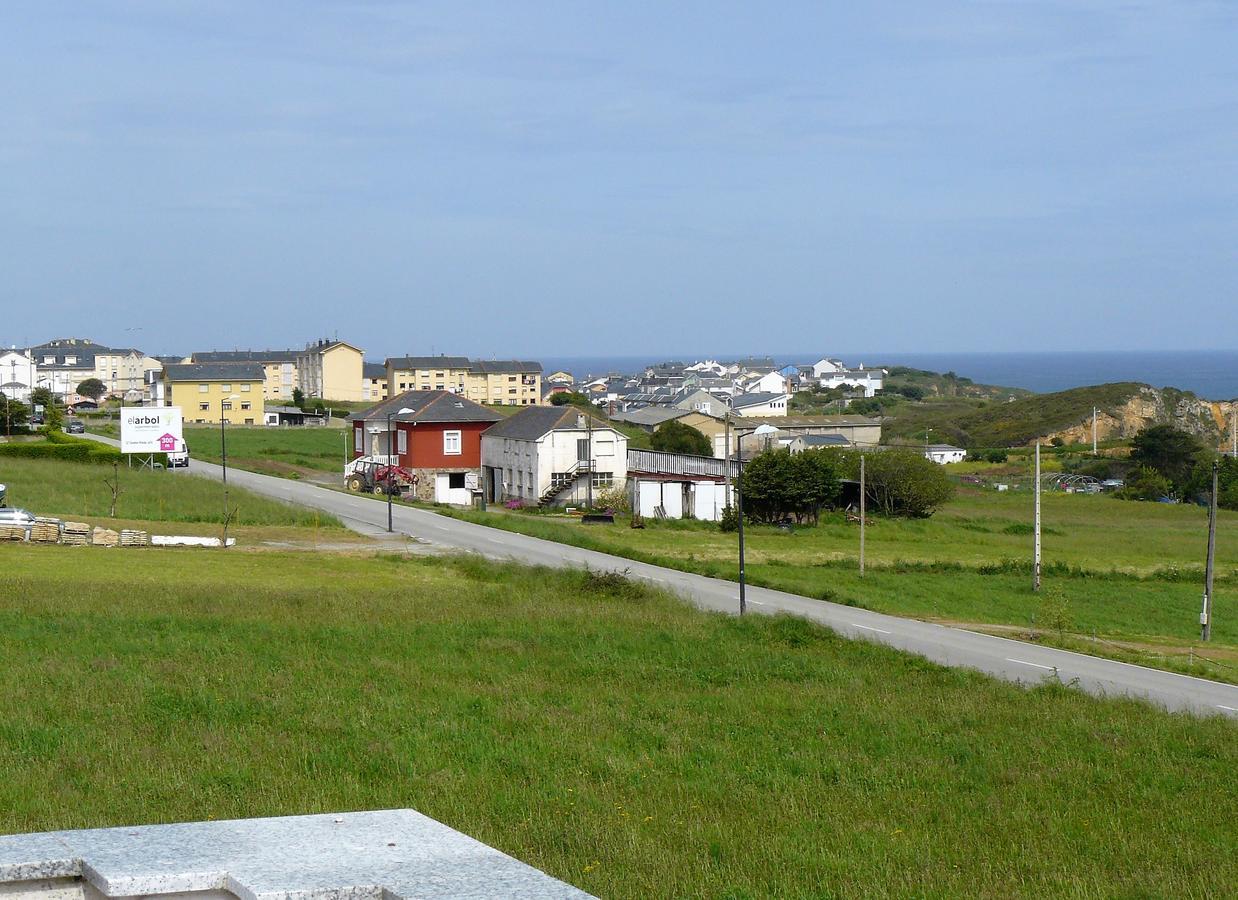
(585, 178)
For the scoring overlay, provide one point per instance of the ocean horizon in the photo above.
(1211, 374)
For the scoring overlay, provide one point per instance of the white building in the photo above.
(760, 404)
(870, 380)
(944, 453)
(677, 485)
(767, 383)
(549, 455)
(18, 374)
(826, 366)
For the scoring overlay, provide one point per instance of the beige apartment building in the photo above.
(279, 368)
(512, 382)
(332, 370)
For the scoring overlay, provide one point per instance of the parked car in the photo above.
(3, 495)
(179, 458)
(75, 428)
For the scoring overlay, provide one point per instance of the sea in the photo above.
(1211, 374)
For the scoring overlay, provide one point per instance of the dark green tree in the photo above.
(900, 481)
(572, 398)
(298, 397)
(778, 485)
(676, 437)
(1173, 453)
(42, 396)
(1145, 483)
(13, 415)
(92, 388)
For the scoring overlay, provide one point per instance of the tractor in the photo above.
(370, 477)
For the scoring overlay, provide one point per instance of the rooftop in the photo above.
(535, 421)
(428, 406)
(222, 371)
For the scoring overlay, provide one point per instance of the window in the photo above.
(455, 480)
(604, 448)
(560, 479)
(226, 388)
(245, 405)
(511, 390)
(49, 360)
(511, 377)
(358, 440)
(245, 388)
(249, 421)
(401, 441)
(203, 388)
(70, 360)
(603, 479)
(451, 443)
(439, 386)
(225, 405)
(403, 386)
(204, 406)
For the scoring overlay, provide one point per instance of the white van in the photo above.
(179, 458)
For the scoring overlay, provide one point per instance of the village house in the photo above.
(552, 456)
(760, 404)
(18, 374)
(436, 435)
(944, 453)
(678, 485)
(859, 431)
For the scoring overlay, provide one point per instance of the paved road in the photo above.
(1012, 660)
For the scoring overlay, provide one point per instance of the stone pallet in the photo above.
(75, 534)
(104, 537)
(132, 538)
(12, 532)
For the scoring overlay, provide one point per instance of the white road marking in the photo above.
(755, 602)
(869, 628)
(1024, 662)
(1230, 708)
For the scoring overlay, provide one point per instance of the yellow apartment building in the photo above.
(332, 370)
(207, 392)
(374, 382)
(511, 381)
(279, 369)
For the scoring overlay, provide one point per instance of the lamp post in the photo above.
(391, 455)
(223, 435)
(739, 503)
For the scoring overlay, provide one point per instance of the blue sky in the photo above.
(525, 179)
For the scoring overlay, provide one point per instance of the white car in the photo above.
(16, 517)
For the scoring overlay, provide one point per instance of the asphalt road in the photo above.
(1003, 658)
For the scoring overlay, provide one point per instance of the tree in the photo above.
(42, 396)
(298, 397)
(676, 437)
(92, 388)
(778, 484)
(14, 413)
(901, 482)
(1172, 453)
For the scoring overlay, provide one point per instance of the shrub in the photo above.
(614, 499)
(1145, 483)
(901, 482)
(778, 484)
(729, 521)
(676, 437)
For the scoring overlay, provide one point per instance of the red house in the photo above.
(435, 434)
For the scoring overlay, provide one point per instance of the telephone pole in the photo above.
(1093, 430)
(726, 452)
(862, 510)
(1205, 617)
(1036, 527)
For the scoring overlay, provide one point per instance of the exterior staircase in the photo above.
(581, 467)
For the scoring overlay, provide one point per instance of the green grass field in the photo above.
(55, 488)
(599, 730)
(274, 451)
(1129, 574)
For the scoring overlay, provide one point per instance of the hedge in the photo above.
(62, 447)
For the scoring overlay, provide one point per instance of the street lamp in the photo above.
(223, 438)
(391, 454)
(762, 430)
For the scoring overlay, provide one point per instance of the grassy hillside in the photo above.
(598, 730)
(1006, 424)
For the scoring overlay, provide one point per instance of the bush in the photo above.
(729, 521)
(614, 499)
(62, 447)
(676, 437)
(1145, 483)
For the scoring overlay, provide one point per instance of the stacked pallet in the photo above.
(104, 537)
(131, 537)
(12, 532)
(75, 534)
(45, 530)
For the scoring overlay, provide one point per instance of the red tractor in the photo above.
(370, 477)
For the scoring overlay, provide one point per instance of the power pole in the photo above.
(863, 507)
(1205, 617)
(726, 450)
(1233, 426)
(1093, 430)
(1036, 527)
(589, 473)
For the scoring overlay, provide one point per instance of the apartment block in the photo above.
(210, 392)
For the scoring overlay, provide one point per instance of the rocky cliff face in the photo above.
(1209, 420)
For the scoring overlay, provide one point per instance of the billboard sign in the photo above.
(150, 429)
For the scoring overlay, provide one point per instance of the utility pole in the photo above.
(1233, 427)
(1036, 527)
(1205, 617)
(726, 451)
(589, 473)
(863, 507)
(1093, 430)
(739, 497)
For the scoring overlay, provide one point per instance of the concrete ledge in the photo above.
(348, 856)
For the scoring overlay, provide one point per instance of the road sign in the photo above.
(150, 429)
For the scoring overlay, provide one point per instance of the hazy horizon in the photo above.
(545, 179)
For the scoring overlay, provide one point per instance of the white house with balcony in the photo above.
(552, 456)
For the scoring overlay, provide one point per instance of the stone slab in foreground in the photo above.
(346, 856)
